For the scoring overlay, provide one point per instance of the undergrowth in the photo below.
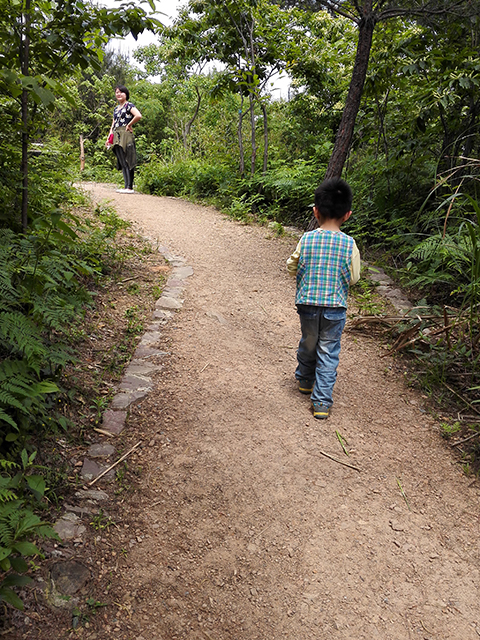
(71, 320)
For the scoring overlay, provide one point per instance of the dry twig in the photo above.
(455, 393)
(327, 455)
(104, 433)
(474, 435)
(115, 463)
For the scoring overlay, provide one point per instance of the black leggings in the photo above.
(122, 161)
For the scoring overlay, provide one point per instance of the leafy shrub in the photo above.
(100, 163)
(289, 190)
(19, 525)
(42, 283)
(189, 178)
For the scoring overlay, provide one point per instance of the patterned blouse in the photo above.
(122, 115)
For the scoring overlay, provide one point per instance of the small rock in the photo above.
(101, 450)
(168, 303)
(92, 494)
(69, 526)
(91, 470)
(114, 421)
(69, 577)
(396, 526)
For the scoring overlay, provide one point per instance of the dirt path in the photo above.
(243, 529)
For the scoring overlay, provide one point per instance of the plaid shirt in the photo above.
(324, 268)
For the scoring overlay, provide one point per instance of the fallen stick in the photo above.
(474, 435)
(115, 463)
(104, 433)
(327, 455)
(464, 400)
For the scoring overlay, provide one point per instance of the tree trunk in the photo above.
(24, 56)
(240, 141)
(82, 154)
(344, 135)
(265, 138)
(253, 135)
(189, 124)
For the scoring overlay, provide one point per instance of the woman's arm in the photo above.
(111, 131)
(136, 117)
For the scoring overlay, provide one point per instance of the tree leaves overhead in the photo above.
(61, 36)
(381, 10)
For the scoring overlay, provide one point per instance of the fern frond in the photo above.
(20, 335)
(4, 417)
(8, 400)
(6, 495)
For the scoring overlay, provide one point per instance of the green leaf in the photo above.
(66, 229)
(37, 485)
(11, 597)
(4, 553)
(44, 387)
(14, 580)
(6, 418)
(19, 565)
(26, 548)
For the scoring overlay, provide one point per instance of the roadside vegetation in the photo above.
(395, 111)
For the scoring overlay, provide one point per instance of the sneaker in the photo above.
(305, 386)
(128, 191)
(320, 410)
(120, 190)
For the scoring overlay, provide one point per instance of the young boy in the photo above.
(325, 262)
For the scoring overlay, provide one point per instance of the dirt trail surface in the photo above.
(242, 528)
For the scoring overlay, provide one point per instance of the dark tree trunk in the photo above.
(24, 56)
(189, 124)
(253, 137)
(265, 138)
(344, 135)
(240, 141)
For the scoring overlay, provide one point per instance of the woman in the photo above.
(125, 115)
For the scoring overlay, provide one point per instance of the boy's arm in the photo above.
(355, 265)
(292, 262)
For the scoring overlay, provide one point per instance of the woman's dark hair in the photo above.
(124, 90)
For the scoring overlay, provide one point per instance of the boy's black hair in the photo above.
(333, 198)
(124, 90)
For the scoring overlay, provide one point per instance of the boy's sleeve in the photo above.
(292, 262)
(355, 265)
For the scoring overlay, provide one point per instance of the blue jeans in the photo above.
(319, 349)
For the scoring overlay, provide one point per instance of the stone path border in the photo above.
(137, 381)
(135, 385)
(387, 288)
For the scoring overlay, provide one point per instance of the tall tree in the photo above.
(366, 15)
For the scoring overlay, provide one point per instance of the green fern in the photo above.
(20, 336)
